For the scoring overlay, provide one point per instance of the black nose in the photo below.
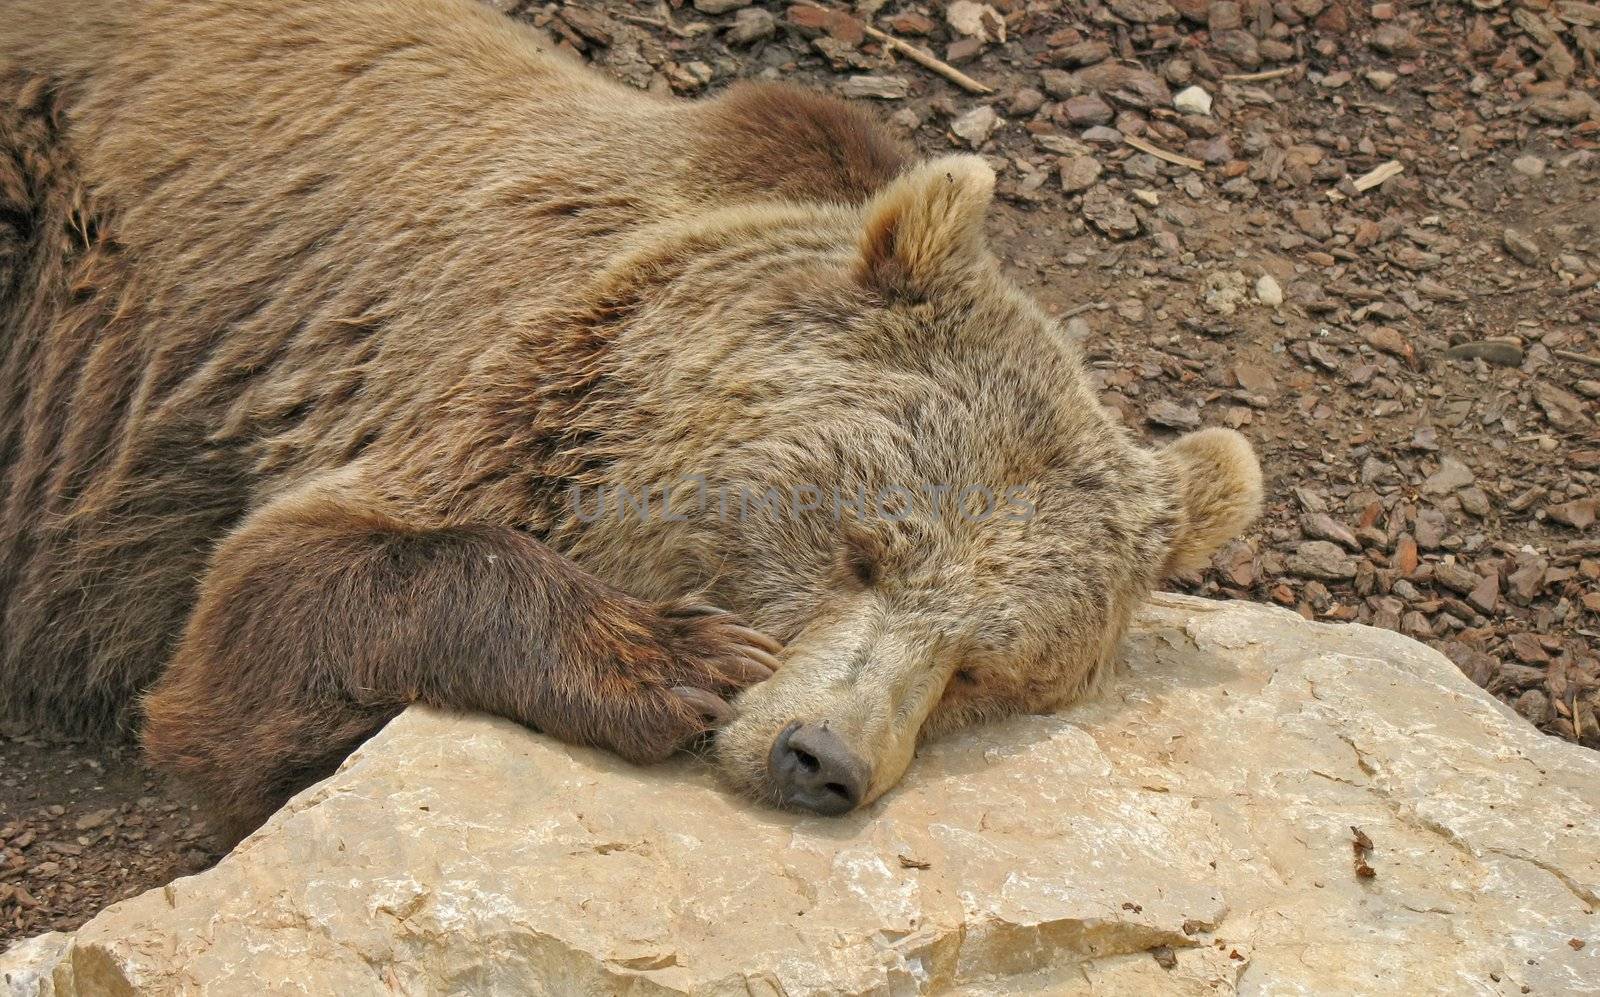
(815, 770)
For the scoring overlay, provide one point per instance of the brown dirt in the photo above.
(84, 826)
(1411, 487)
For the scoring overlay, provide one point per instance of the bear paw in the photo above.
(677, 687)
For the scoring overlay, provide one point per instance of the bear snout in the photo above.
(813, 769)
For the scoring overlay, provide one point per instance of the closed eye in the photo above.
(864, 569)
(862, 559)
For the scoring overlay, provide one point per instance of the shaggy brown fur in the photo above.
(311, 313)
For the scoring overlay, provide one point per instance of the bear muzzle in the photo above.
(813, 769)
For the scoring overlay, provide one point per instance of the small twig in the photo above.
(924, 59)
(1267, 74)
(1379, 174)
(1361, 845)
(1577, 357)
(664, 22)
(928, 61)
(1160, 153)
(1077, 310)
(1371, 178)
(1532, 285)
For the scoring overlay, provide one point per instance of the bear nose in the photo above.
(815, 770)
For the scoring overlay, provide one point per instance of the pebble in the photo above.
(1268, 292)
(1406, 557)
(1485, 597)
(1224, 291)
(1393, 40)
(751, 25)
(1521, 246)
(1143, 11)
(1224, 15)
(1455, 577)
(1259, 381)
(1492, 351)
(1312, 222)
(1172, 415)
(1527, 648)
(93, 819)
(1526, 581)
(1322, 560)
(689, 76)
(1388, 339)
(1430, 529)
(1110, 213)
(1451, 475)
(1381, 79)
(1564, 409)
(1321, 526)
(1087, 109)
(1024, 102)
(1193, 100)
(879, 87)
(1578, 514)
(1529, 166)
(1082, 54)
(1215, 151)
(1474, 502)
(975, 126)
(1079, 173)
(1534, 706)
(1238, 46)
(979, 21)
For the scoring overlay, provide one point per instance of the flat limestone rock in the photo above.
(1189, 832)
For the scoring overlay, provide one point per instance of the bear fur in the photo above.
(314, 314)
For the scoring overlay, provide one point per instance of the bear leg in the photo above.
(319, 620)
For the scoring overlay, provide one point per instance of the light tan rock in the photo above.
(1203, 805)
(30, 967)
(976, 20)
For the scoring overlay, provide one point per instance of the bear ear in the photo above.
(1219, 491)
(925, 225)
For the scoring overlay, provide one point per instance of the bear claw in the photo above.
(714, 708)
(758, 639)
(690, 610)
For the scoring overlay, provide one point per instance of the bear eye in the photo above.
(966, 676)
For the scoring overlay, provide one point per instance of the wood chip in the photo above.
(928, 61)
(922, 58)
(1577, 357)
(1361, 845)
(1160, 153)
(1371, 179)
(1266, 74)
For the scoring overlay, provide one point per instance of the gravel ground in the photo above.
(83, 826)
(1363, 234)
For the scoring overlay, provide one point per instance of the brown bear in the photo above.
(329, 327)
